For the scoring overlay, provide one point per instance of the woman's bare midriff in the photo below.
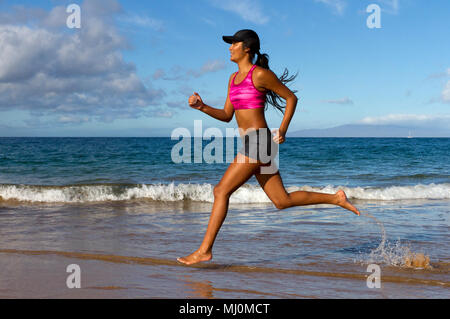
(250, 119)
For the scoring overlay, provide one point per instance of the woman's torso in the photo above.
(254, 117)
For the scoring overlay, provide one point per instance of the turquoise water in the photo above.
(126, 197)
(354, 162)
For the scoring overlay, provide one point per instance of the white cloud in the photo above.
(211, 66)
(210, 22)
(178, 104)
(73, 119)
(344, 101)
(74, 75)
(248, 10)
(166, 114)
(446, 93)
(338, 6)
(438, 120)
(159, 73)
(143, 21)
(179, 73)
(390, 6)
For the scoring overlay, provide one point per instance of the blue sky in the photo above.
(131, 67)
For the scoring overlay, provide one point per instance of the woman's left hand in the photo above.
(279, 136)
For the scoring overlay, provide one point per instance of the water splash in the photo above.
(393, 254)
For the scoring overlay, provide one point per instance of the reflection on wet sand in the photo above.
(198, 289)
(205, 289)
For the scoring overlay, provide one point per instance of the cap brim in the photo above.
(228, 38)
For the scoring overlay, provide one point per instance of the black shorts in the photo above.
(258, 144)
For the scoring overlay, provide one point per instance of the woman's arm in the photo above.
(291, 105)
(269, 80)
(219, 114)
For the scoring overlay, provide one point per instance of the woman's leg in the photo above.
(237, 174)
(274, 188)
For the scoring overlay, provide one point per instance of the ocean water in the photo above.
(123, 210)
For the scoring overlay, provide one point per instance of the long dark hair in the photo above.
(262, 60)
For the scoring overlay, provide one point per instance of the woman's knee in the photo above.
(220, 191)
(282, 203)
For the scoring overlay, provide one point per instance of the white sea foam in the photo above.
(203, 192)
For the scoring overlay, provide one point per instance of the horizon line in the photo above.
(406, 137)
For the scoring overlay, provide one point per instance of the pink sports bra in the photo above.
(245, 95)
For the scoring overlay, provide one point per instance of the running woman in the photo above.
(249, 91)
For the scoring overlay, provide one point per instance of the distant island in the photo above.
(365, 130)
(349, 130)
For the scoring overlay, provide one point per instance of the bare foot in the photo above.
(195, 257)
(343, 201)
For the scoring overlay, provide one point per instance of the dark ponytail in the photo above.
(274, 99)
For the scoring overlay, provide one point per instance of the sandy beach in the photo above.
(137, 258)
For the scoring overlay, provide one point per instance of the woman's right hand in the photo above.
(195, 101)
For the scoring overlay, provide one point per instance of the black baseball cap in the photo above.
(246, 35)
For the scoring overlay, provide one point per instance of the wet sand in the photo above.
(129, 249)
(42, 274)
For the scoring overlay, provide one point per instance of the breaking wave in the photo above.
(202, 192)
